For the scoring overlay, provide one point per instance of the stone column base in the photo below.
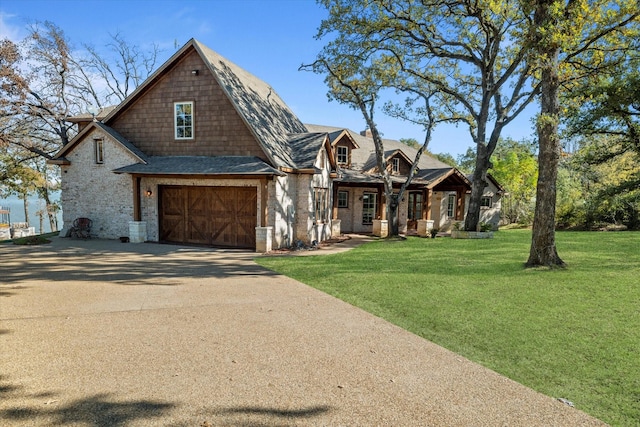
(335, 227)
(424, 227)
(137, 231)
(380, 227)
(264, 239)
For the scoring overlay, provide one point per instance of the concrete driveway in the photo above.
(101, 333)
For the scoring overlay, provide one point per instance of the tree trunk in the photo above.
(479, 181)
(25, 202)
(394, 229)
(543, 243)
(50, 211)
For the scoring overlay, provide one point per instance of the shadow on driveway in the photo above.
(96, 410)
(66, 260)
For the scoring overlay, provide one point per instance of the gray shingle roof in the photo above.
(122, 140)
(305, 148)
(362, 158)
(268, 117)
(201, 165)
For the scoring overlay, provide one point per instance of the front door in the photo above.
(414, 209)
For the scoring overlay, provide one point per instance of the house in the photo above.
(203, 152)
(491, 202)
(436, 198)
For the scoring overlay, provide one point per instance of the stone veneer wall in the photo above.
(93, 191)
(306, 227)
(282, 210)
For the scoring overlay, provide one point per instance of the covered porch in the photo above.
(359, 202)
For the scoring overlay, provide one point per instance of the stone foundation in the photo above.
(264, 236)
(137, 231)
(424, 227)
(335, 228)
(380, 227)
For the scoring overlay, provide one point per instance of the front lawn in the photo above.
(572, 333)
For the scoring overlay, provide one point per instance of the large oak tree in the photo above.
(467, 50)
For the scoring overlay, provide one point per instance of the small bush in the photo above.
(31, 240)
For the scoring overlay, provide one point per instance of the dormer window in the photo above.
(183, 114)
(395, 165)
(342, 154)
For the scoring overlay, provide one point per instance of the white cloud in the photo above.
(9, 30)
(204, 28)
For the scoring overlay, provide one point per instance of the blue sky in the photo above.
(268, 38)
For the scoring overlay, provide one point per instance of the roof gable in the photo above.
(122, 141)
(265, 115)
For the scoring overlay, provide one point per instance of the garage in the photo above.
(213, 216)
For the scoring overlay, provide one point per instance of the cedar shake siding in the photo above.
(219, 130)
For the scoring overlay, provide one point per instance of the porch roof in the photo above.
(436, 179)
(201, 165)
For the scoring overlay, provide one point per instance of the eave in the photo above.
(59, 161)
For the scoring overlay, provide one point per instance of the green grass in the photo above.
(572, 333)
(38, 239)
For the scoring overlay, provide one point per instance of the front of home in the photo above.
(205, 153)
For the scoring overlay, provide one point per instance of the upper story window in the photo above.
(395, 165)
(98, 148)
(183, 113)
(485, 202)
(342, 153)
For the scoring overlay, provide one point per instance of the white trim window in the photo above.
(98, 148)
(451, 206)
(183, 120)
(486, 202)
(342, 153)
(395, 165)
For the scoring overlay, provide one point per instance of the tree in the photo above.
(467, 50)
(121, 73)
(410, 142)
(606, 127)
(515, 167)
(570, 39)
(43, 81)
(443, 157)
(596, 188)
(357, 83)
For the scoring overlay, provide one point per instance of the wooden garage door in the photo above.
(216, 216)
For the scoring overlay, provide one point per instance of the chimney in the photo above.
(367, 133)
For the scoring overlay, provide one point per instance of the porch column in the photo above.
(264, 196)
(427, 204)
(382, 206)
(460, 204)
(137, 214)
(334, 214)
